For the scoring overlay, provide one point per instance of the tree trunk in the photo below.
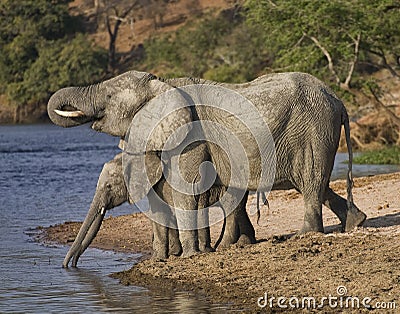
(17, 114)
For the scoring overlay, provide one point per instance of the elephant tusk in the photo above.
(70, 114)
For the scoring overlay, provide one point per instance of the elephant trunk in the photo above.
(88, 230)
(73, 106)
(110, 192)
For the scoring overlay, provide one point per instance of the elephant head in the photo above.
(110, 105)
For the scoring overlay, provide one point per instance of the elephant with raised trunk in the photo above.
(303, 115)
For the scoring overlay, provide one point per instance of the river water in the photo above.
(48, 175)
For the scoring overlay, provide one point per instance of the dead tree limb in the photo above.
(389, 113)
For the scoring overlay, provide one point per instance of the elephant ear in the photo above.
(141, 173)
(161, 125)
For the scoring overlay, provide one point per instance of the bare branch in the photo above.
(300, 40)
(385, 64)
(391, 7)
(388, 67)
(117, 18)
(355, 60)
(108, 25)
(328, 57)
(390, 113)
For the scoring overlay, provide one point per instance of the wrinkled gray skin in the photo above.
(111, 191)
(303, 114)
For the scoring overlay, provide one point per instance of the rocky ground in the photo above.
(364, 262)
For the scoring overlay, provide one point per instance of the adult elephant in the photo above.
(304, 117)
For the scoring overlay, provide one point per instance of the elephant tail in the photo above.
(265, 202)
(222, 230)
(350, 183)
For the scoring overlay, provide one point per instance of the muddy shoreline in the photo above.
(365, 262)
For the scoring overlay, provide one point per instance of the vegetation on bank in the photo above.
(43, 47)
(341, 42)
(389, 155)
(221, 48)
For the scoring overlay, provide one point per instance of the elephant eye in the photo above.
(108, 96)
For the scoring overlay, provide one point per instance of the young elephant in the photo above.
(111, 192)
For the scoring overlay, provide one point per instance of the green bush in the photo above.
(41, 51)
(221, 48)
(225, 73)
(389, 155)
(59, 64)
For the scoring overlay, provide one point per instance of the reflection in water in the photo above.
(105, 293)
(101, 292)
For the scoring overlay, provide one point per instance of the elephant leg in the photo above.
(238, 227)
(187, 171)
(205, 240)
(246, 229)
(349, 218)
(175, 247)
(160, 241)
(313, 213)
(189, 242)
(234, 226)
(160, 215)
(203, 222)
(188, 236)
(231, 232)
(186, 220)
(204, 232)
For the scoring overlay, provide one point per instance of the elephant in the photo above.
(303, 115)
(111, 192)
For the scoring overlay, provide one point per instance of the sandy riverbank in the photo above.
(365, 261)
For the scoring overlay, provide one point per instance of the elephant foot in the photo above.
(229, 237)
(175, 250)
(174, 245)
(310, 228)
(189, 242)
(225, 244)
(206, 249)
(298, 235)
(159, 257)
(244, 239)
(189, 253)
(355, 218)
